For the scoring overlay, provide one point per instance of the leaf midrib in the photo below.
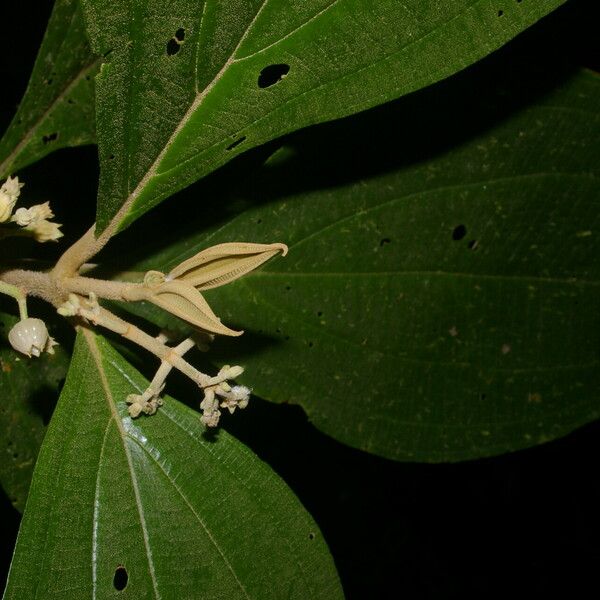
(33, 129)
(96, 355)
(114, 224)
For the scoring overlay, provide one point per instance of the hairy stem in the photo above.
(80, 252)
(14, 292)
(108, 320)
(53, 290)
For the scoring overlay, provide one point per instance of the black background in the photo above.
(524, 523)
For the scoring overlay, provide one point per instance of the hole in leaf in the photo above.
(70, 101)
(50, 137)
(180, 34)
(459, 232)
(121, 578)
(111, 157)
(385, 241)
(236, 143)
(473, 245)
(173, 46)
(320, 313)
(311, 536)
(288, 288)
(500, 13)
(310, 344)
(272, 74)
(49, 81)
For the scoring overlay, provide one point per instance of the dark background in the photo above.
(524, 523)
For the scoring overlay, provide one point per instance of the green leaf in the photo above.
(188, 85)
(58, 107)
(29, 392)
(445, 310)
(157, 503)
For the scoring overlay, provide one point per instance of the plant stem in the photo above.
(14, 292)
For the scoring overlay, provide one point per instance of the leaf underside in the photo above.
(57, 109)
(157, 504)
(446, 310)
(187, 85)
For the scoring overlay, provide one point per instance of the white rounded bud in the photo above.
(29, 336)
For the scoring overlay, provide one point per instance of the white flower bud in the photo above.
(9, 192)
(12, 187)
(6, 206)
(35, 214)
(30, 337)
(45, 231)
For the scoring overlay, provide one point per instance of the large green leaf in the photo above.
(58, 107)
(445, 310)
(29, 392)
(157, 505)
(187, 84)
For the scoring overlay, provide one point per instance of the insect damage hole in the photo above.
(459, 232)
(272, 74)
(49, 138)
(174, 44)
(121, 578)
(235, 143)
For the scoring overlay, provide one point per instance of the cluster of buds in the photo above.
(178, 292)
(33, 222)
(146, 403)
(222, 395)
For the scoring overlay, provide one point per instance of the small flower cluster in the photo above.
(222, 395)
(146, 403)
(34, 221)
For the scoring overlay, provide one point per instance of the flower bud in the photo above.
(30, 337)
(9, 192)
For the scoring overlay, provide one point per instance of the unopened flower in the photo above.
(9, 193)
(210, 409)
(237, 396)
(35, 214)
(30, 337)
(141, 403)
(45, 231)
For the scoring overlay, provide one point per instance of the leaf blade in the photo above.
(57, 109)
(189, 127)
(126, 494)
(445, 309)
